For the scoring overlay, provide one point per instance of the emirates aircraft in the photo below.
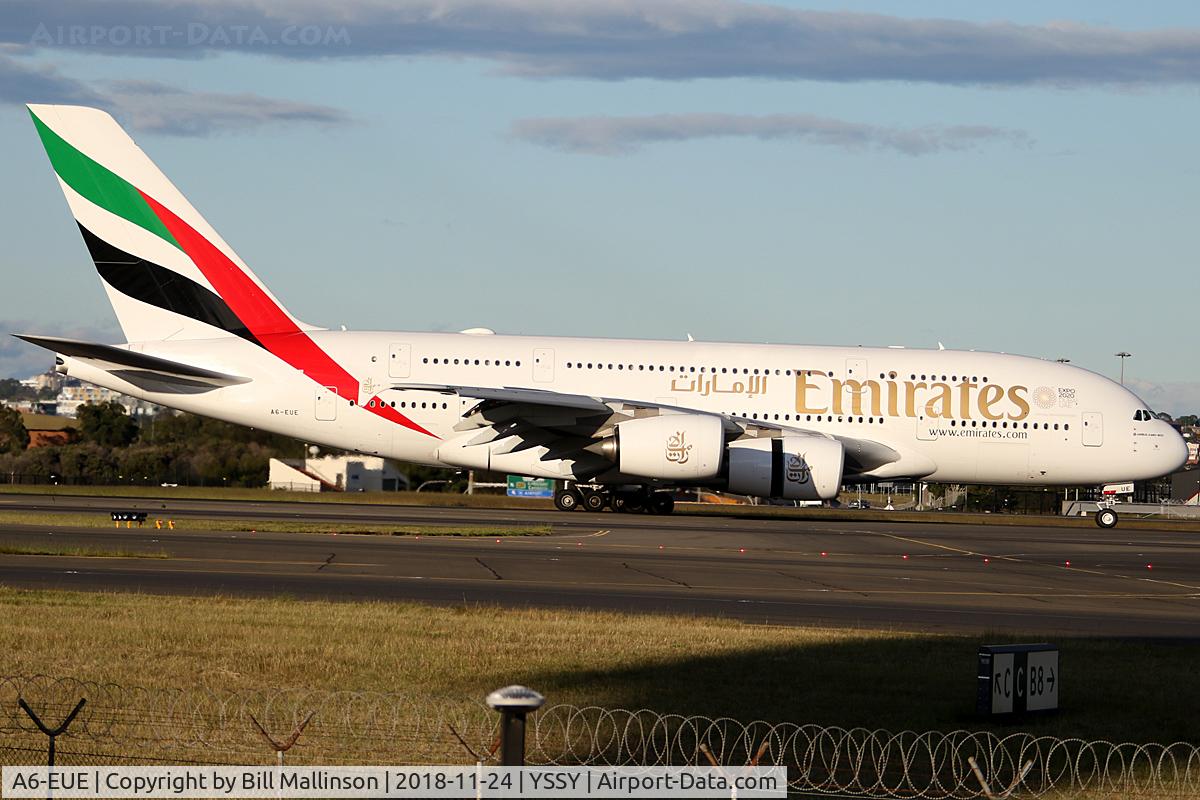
(617, 421)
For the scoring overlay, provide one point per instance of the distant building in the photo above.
(1191, 435)
(73, 393)
(1185, 484)
(46, 430)
(51, 380)
(1185, 487)
(336, 474)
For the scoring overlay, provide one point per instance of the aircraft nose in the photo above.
(1174, 453)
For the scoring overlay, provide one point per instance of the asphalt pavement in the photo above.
(910, 576)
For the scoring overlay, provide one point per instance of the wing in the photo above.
(557, 435)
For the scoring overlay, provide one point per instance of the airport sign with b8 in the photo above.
(1016, 678)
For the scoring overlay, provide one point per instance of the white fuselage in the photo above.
(953, 416)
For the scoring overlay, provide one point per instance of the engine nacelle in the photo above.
(671, 447)
(790, 467)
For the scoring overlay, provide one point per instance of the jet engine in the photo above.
(671, 447)
(790, 467)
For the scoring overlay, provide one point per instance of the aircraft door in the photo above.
(1093, 428)
(543, 364)
(399, 360)
(326, 403)
(856, 368)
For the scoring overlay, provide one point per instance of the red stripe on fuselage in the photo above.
(265, 319)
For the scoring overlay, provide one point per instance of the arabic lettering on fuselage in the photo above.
(705, 385)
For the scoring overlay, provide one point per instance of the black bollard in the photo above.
(513, 703)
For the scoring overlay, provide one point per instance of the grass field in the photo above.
(263, 494)
(76, 552)
(82, 520)
(1118, 690)
(501, 501)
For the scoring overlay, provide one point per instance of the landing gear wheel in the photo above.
(1106, 518)
(595, 501)
(567, 499)
(628, 502)
(660, 503)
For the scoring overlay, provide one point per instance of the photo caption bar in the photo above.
(155, 783)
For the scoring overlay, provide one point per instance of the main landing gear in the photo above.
(591, 498)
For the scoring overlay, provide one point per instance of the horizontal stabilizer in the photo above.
(134, 366)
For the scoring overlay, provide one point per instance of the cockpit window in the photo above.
(1142, 415)
(1137, 415)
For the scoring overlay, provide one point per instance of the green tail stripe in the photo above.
(99, 184)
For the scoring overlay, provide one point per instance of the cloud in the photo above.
(156, 107)
(21, 81)
(618, 39)
(1174, 398)
(608, 136)
(159, 108)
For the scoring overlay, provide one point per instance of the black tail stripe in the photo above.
(158, 286)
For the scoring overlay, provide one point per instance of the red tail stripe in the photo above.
(266, 320)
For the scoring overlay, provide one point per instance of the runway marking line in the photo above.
(703, 588)
(912, 540)
(1014, 559)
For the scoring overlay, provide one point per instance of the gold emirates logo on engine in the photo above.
(817, 393)
(678, 450)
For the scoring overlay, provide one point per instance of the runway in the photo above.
(946, 577)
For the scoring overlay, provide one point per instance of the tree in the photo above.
(87, 463)
(107, 424)
(1188, 420)
(13, 436)
(11, 389)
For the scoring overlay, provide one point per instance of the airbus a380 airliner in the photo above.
(617, 420)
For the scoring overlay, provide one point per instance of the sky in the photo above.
(1016, 177)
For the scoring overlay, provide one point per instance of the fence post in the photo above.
(51, 733)
(478, 758)
(513, 703)
(282, 747)
(987, 789)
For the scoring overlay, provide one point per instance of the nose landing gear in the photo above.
(1106, 518)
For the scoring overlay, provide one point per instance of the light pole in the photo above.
(1123, 355)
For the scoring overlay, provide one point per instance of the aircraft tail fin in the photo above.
(167, 273)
